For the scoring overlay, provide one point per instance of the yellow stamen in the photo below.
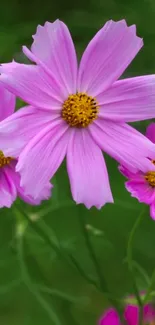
(150, 178)
(4, 160)
(79, 110)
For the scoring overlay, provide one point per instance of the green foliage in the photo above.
(38, 286)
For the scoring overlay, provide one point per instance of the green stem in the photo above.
(46, 289)
(141, 315)
(64, 296)
(43, 232)
(150, 287)
(102, 281)
(130, 263)
(92, 254)
(25, 276)
(142, 272)
(79, 268)
(40, 232)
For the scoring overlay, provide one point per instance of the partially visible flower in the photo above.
(78, 111)
(141, 185)
(131, 316)
(10, 179)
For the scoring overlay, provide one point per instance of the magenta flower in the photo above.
(9, 179)
(78, 112)
(131, 315)
(142, 184)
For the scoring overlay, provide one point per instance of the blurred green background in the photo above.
(35, 283)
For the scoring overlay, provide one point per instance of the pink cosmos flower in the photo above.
(78, 112)
(142, 184)
(131, 315)
(9, 179)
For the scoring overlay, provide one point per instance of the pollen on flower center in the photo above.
(150, 178)
(79, 110)
(4, 160)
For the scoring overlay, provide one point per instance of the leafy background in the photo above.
(28, 262)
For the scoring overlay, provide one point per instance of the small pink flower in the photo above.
(78, 112)
(131, 316)
(10, 179)
(142, 184)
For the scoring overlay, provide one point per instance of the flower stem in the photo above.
(44, 233)
(142, 272)
(150, 287)
(79, 268)
(130, 263)
(102, 281)
(92, 254)
(25, 276)
(41, 231)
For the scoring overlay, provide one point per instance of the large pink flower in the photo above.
(142, 184)
(10, 179)
(131, 315)
(78, 111)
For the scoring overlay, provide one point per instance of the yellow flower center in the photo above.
(150, 178)
(4, 160)
(79, 110)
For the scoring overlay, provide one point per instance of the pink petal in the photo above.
(87, 171)
(42, 157)
(123, 143)
(128, 174)
(53, 47)
(150, 132)
(152, 210)
(32, 84)
(129, 100)
(110, 318)
(131, 315)
(141, 190)
(8, 191)
(107, 56)
(46, 193)
(7, 103)
(18, 129)
(149, 314)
